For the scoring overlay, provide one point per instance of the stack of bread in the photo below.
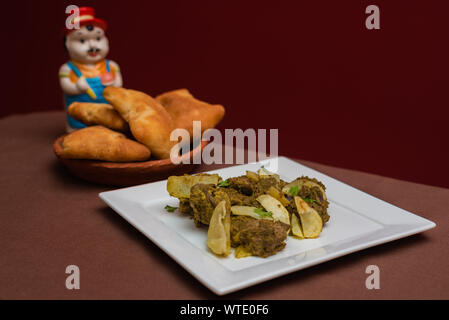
(135, 126)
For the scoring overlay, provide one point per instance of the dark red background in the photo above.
(340, 94)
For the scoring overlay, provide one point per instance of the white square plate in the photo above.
(358, 221)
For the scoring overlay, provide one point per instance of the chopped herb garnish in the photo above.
(309, 200)
(262, 213)
(294, 191)
(223, 184)
(170, 208)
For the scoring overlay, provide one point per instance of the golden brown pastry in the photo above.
(97, 113)
(100, 143)
(148, 120)
(184, 109)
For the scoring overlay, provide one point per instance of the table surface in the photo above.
(49, 220)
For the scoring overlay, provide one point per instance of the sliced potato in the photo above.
(252, 175)
(275, 207)
(242, 252)
(296, 227)
(275, 193)
(311, 222)
(247, 211)
(179, 186)
(218, 235)
(264, 173)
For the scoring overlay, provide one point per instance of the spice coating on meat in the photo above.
(314, 190)
(249, 187)
(260, 237)
(243, 185)
(241, 191)
(265, 183)
(184, 207)
(203, 200)
(239, 199)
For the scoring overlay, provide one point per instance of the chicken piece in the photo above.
(184, 207)
(203, 200)
(312, 191)
(205, 197)
(239, 199)
(258, 237)
(243, 185)
(267, 182)
(250, 187)
(241, 191)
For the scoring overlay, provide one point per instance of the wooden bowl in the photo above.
(128, 173)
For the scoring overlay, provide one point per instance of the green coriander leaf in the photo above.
(294, 191)
(170, 208)
(224, 183)
(261, 212)
(309, 200)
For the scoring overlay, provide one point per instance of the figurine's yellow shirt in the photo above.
(90, 71)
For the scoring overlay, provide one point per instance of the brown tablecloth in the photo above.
(50, 220)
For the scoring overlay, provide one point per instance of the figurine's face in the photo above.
(87, 45)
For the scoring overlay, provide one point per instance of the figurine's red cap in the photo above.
(86, 17)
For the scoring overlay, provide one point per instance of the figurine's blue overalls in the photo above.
(96, 86)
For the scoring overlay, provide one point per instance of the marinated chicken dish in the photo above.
(253, 213)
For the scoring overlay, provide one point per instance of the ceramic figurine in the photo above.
(88, 72)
